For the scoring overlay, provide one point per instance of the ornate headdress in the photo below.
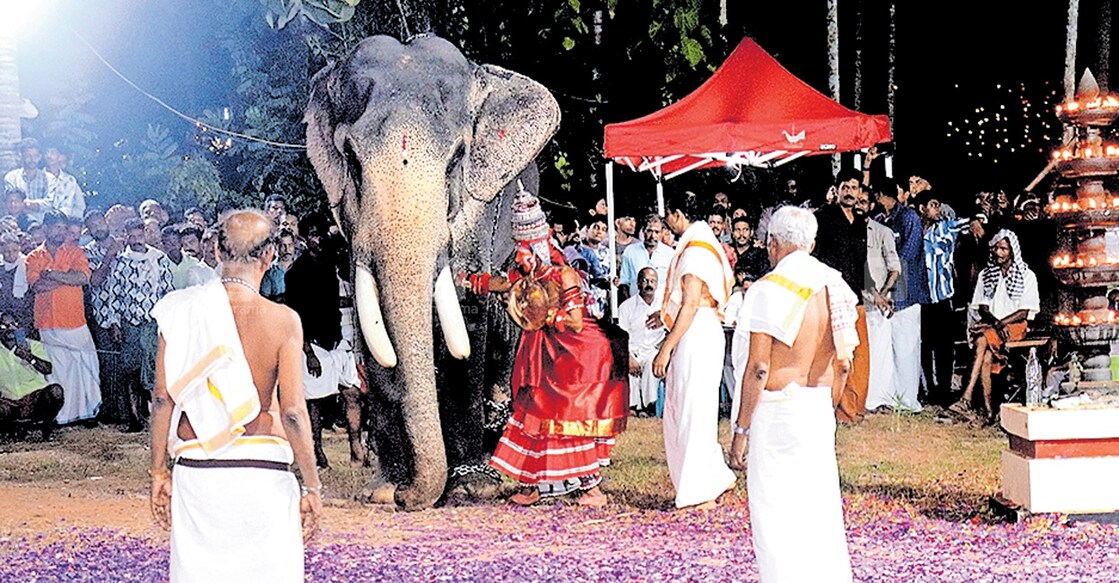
(529, 222)
(530, 226)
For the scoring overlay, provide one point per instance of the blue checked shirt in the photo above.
(912, 287)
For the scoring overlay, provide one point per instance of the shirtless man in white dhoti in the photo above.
(233, 505)
(802, 336)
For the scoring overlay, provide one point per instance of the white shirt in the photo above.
(68, 197)
(180, 272)
(17, 181)
(19, 283)
(632, 315)
(734, 303)
(200, 274)
(636, 257)
(1001, 305)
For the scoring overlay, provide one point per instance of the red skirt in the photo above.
(563, 386)
(566, 410)
(534, 459)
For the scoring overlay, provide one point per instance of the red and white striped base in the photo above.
(1061, 460)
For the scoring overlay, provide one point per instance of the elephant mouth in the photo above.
(371, 319)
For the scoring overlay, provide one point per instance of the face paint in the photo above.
(525, 259)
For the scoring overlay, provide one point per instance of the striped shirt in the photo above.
(940, 247)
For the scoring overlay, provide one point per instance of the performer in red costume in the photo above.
(567, 406)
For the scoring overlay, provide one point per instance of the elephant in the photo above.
(418, 150)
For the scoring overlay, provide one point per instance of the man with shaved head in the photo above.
(645, 336)
(230, 412)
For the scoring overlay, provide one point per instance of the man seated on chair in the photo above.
(1005, 298)
(645, 336)
(25, 395)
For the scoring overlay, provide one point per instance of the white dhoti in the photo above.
(643, 388)
(338, 368)
(74, 367)
(895, 359)
(691, 413)
(236, 523)
(796, 513)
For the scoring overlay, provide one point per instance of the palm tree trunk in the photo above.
(1070, 50)
(890, 66)
(1104, 40)
(833, 64)
(857, 96)
(10, 103)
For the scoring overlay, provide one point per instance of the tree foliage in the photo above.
(64, 123)
(129, 175)
(278, 13)
(585, 51)
(197, 182)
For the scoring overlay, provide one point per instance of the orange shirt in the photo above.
(61, 307)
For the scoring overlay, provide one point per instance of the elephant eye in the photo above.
(352, 161)
(456, 158)
(454, 181)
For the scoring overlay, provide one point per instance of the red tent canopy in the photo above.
(750, 112)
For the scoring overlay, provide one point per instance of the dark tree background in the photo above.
(604, 60)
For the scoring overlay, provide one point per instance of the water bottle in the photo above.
(1034, 380)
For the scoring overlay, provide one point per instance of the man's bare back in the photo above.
(272, 342)
(809, 361)
(267, 330)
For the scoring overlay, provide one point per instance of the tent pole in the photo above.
(610, 249)
(660, 197)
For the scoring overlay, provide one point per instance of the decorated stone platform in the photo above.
(1064, 461)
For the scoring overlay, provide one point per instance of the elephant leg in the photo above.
(315, 412)
(386, 436)
(462, 398)
(351, 407)
(503, 336)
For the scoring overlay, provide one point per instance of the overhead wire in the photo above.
(195, 121)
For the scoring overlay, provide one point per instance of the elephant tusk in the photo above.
(450, 315)
(369, 316)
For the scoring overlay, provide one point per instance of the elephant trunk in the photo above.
(373, 324)
(407, 305)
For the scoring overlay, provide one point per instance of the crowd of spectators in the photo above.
(916, 263)
(77, 288)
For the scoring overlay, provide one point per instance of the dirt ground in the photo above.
(96, 478)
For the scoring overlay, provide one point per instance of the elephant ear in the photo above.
(514, 117)
(325, 139)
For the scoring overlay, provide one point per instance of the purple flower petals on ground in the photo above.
(889, 541)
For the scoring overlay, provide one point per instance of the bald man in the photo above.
(645, 336)
(229, 409)
(151, 209)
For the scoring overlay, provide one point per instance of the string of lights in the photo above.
(1013, 121)
(197, 122)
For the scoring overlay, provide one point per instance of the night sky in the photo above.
(952, 57)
